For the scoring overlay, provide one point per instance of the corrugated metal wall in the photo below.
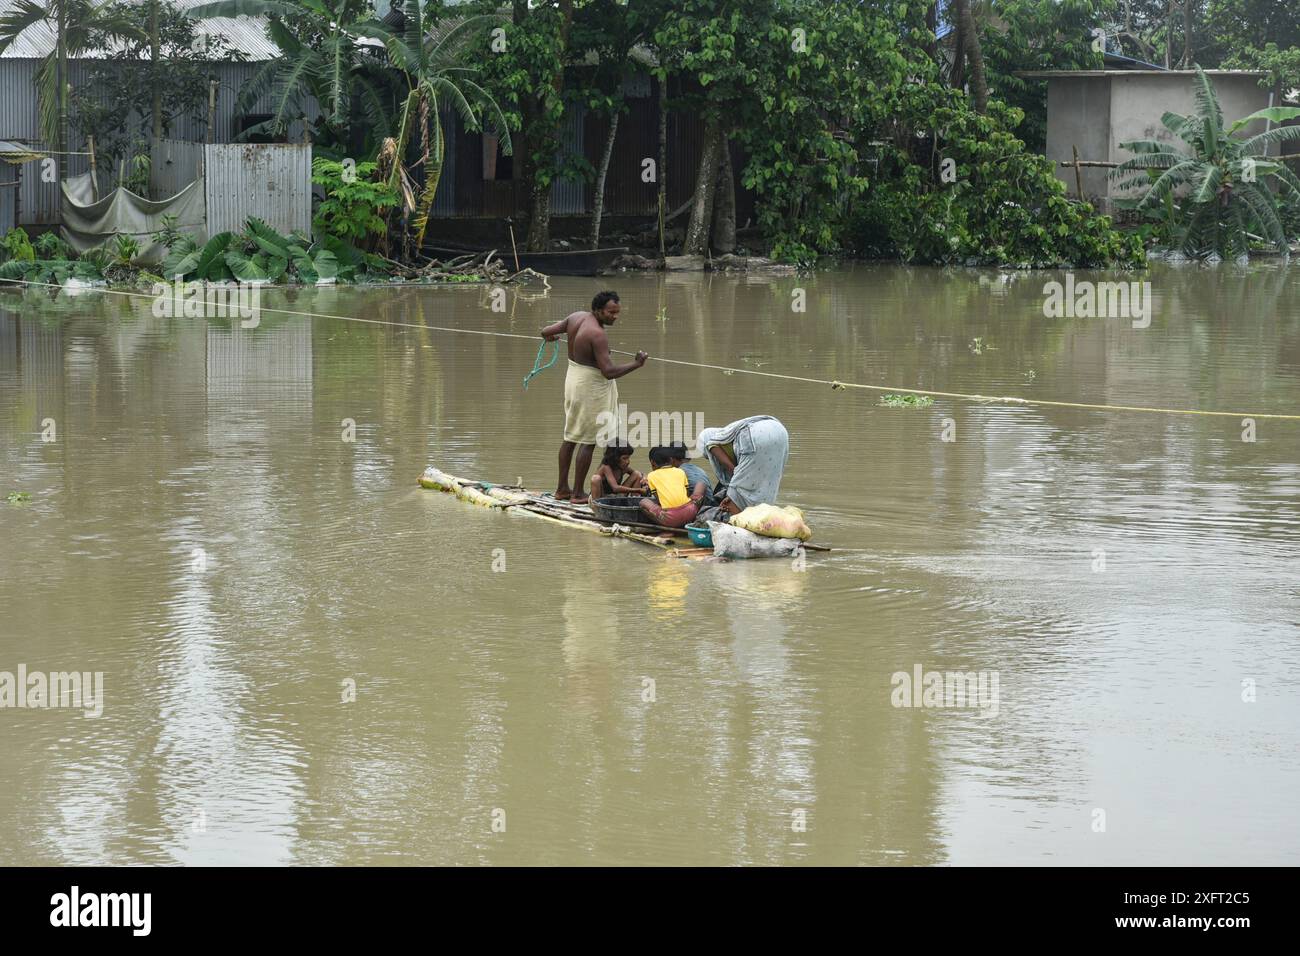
(9, 182)
(569, 196)
(444, 200)
(39, 200)
(173, 166)
(272, 182)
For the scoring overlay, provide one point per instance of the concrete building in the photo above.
(1094, 111)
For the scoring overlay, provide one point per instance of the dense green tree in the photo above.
(77, 25)
(322, 59)
(1030, 35)
(119, 104)
(438, 67)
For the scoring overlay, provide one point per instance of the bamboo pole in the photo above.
(1078, 175)
(94, 183)
(212, 107)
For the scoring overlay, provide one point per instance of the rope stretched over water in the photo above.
(962, 396)
(537, 362)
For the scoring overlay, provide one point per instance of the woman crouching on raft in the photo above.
(749, 457)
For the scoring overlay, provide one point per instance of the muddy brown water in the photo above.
(200, 534)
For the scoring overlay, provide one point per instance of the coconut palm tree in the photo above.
(1223, 179)
(323, 57)
(76, 24)
(437, 68)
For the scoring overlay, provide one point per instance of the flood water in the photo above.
(199, 532)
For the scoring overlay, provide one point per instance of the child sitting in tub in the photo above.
(616, 476)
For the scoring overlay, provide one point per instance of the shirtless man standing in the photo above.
(589, 387)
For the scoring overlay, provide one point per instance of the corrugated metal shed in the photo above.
(272, 182)
(246, 34)
(39, 198)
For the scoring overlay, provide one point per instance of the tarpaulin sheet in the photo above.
(88, 225)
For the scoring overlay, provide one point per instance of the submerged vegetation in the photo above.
(257, 254)
(893, 400)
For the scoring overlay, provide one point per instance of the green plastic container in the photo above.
(700, 535)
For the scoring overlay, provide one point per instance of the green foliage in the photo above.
(97, 261)
(18, 497)
(50, 245)
(1039, 35)
(1005, 204)
(16, 245)
(260, 254)
(845, 120)
(893, 400)
(321, 59)
(354, 204)
(47, 271)
(137, 170)
(168, 235)
(1252, 24)
(84, 25)
(125, 249)
(1216, 184)
(1282, 66)
(114, 102)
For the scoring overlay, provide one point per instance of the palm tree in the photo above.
(1225, 177)
(74, 23)
(436, 69)
(322, 58)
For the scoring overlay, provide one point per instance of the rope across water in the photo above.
(897, 389)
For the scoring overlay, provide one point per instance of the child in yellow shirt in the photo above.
(674, 504)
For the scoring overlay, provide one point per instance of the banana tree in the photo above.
(323, 57)
(77, 25)
(437, 68)
(1222, 179)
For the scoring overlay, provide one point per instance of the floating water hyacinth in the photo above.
(906, 401)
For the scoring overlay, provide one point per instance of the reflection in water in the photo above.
(203, 531)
